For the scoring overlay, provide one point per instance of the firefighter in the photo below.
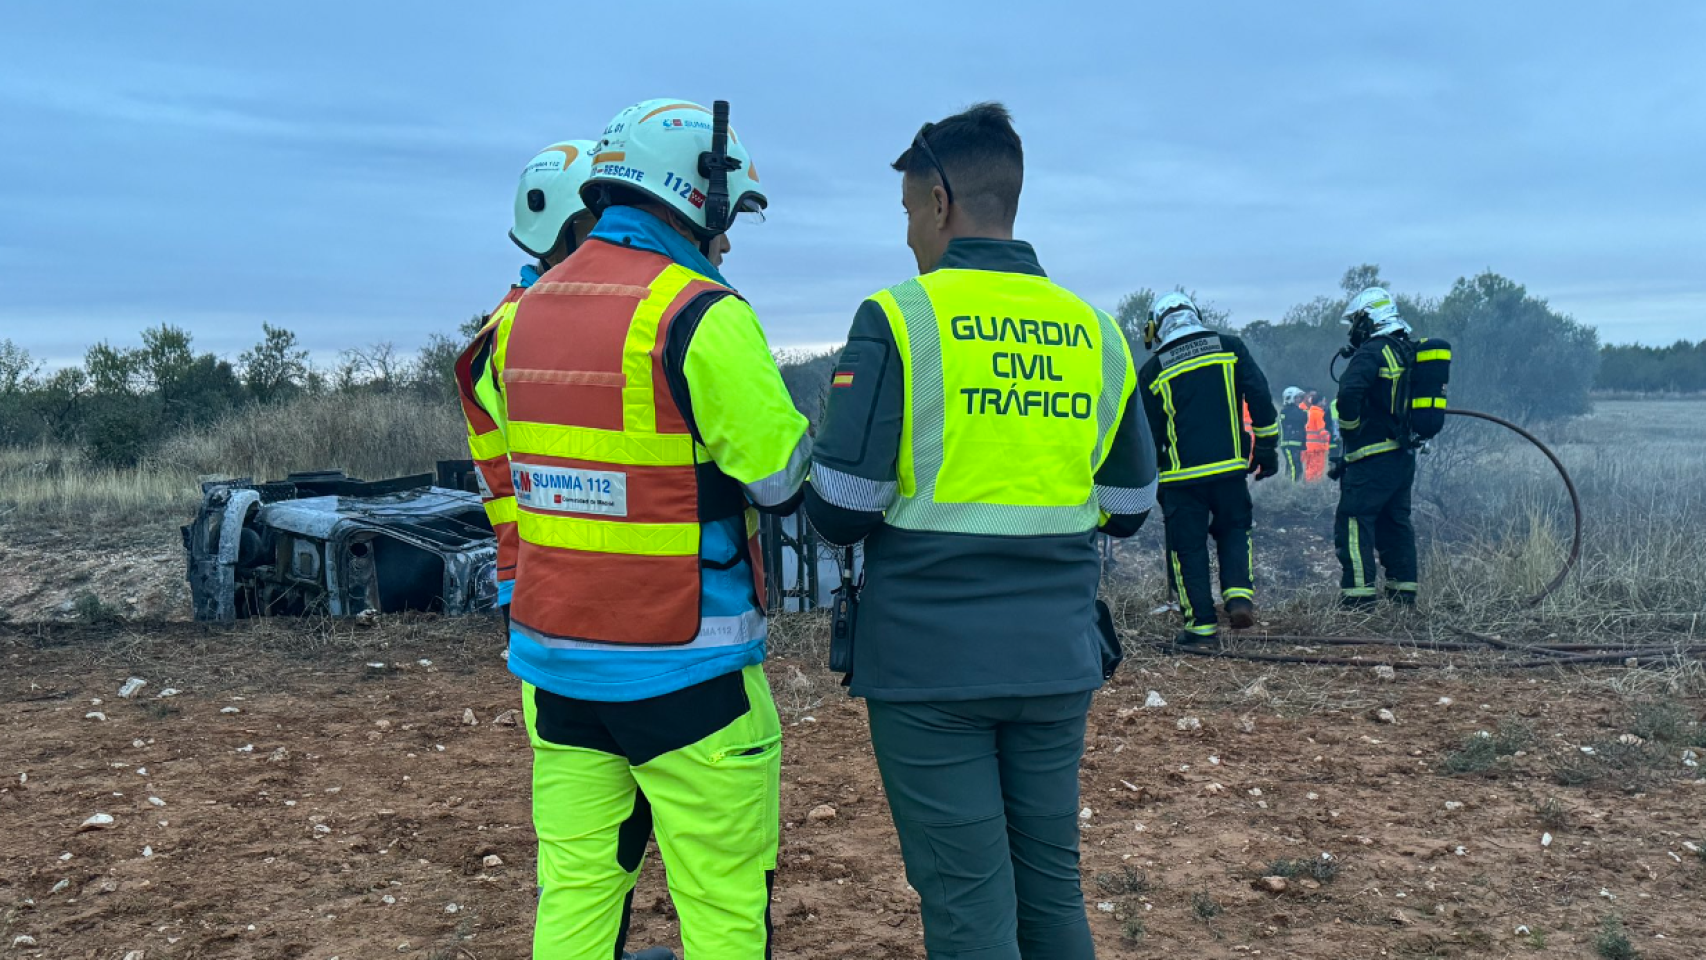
(1316, 439)
(1293, 429)
(1379, 463)
(981, 428)
(550, 221)
(1189, 389)
(646, 420)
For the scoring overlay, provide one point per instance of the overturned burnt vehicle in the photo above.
(328, 543)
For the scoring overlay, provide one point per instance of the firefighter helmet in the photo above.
(1170, 318)
(1373, 313)
(1291, 395)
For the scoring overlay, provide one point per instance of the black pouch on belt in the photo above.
(1113, 652)
(841, 628)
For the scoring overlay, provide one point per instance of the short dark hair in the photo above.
(983, 158)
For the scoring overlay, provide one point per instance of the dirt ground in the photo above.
(313, 790)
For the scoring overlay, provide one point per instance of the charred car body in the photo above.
(327, 543)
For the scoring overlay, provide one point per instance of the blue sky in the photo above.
(347, 169)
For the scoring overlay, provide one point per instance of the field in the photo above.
(311, 804)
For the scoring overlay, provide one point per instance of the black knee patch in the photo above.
(631, 837)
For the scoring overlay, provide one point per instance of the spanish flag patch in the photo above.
(842, 379)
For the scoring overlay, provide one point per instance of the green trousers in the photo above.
(702, 767)
(984, 795)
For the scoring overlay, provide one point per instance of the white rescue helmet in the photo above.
(1373, 312)
(673, 151)
(548, 199)
(1170, 318)
(1291, 396)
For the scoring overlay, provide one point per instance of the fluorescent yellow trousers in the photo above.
(713, 804)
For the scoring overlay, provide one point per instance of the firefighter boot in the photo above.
(1403, 595)
(1241, 612)
(1190, 637)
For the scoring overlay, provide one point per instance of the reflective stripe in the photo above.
(1201, 629)
(639, 407)
(1189, 365)
(1424, 403)
(1179, 585)
(1172, 429)
(1206, 470)
(501, 510)
(778, 487)
(1350, 424)
(1359, 592)
(602, 446)
(1271, 430)
(609, 536)
(1126, 500)
(487, 446)
(1238, 593)
(1426, 355)
(850, 492)
(1357, 576)
(713, 632)
(1402, 586)
(1384, 446)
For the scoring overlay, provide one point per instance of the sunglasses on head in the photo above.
(923, 145)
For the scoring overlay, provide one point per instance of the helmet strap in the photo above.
(715, 165)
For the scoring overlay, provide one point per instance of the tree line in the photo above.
(1678, 368)
(1513, 355)
(121, 400)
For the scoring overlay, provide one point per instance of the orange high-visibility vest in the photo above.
(485, 435)
(1315, 449)
(611, 486)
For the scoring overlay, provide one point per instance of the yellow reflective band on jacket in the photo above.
(485, 446)
(1424, 403)
(501, 510)
(1271, 430)
(1205, 470)
(1384, 446)
(488, 391)
(609, 536)
(1393, 371)
(602, 446)
(1427, 355)
(639, 409)
(1047, 381)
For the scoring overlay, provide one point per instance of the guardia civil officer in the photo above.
(1192, 389)
(981, 428)
(645, 422)
(1378, 469)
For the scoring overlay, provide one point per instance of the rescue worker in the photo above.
(1294, 422)
(549, 222)
(646, 419)
(1379, 466)
(1316, 439)
(981, 428)
(1190, 389)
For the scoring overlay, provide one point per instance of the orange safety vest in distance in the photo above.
(1317, 441)
(485, 438)
(611, 485)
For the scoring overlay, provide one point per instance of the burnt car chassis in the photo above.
(324, 542)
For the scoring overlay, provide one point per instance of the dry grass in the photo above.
(372, 436)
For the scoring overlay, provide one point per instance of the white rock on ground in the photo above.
(1385, 716)
(229, 710)
(1154, 701)
(468, 718)
(1188, 723)
(1454, 805)
(99, 821)
(131, 686)
(821, 813)
(1546, 840)
(156, 801)
(492, 861)
(168, 692)
(1105, 907)
(507, 719)
(1385, 672)
(23, 940)
(94, 715)
(1085, 814)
